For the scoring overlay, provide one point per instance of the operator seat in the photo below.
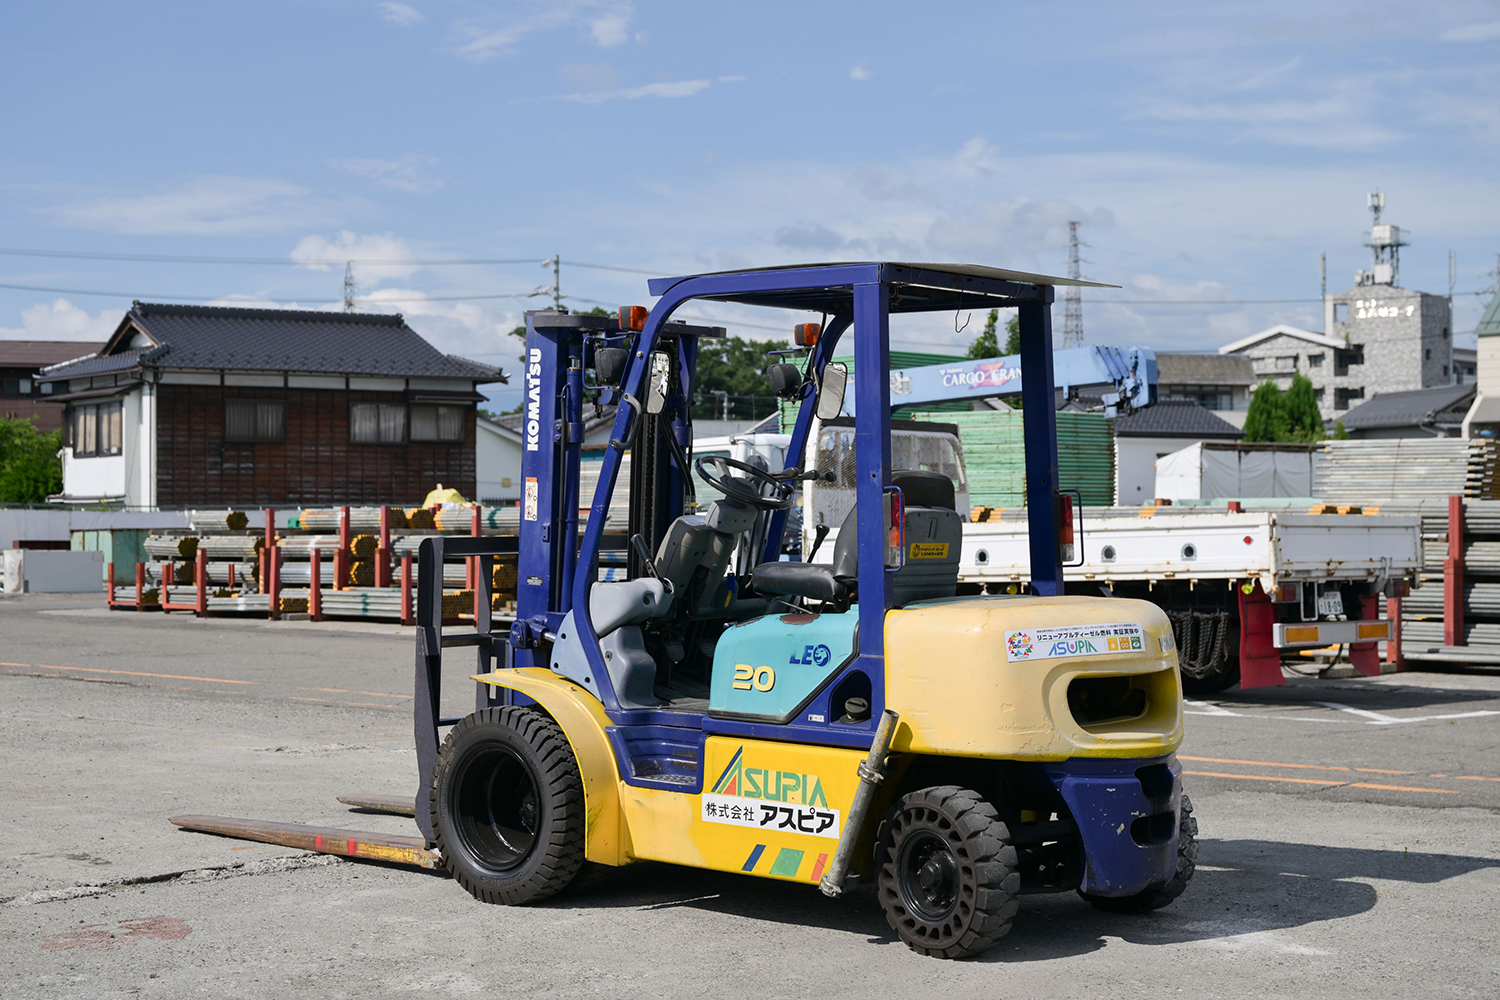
(934, 538)
(697, 549)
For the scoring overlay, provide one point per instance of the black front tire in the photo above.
(946, 872)
(1156, 896)
(507, 806)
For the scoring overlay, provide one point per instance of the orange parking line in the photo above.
(131, 673)
(1310, 767)
(1265, 763)
(1261, 777)
(1473, 777)
(1404, 788)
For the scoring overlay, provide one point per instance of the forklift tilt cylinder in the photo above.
(871, 773)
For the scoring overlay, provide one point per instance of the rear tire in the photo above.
(507, 806)
(1222, 679)
(1157, 896)
(946, 872)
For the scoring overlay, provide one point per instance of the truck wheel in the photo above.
(507, 806)
(1222, 679)
(947, 875)
(1157, 896)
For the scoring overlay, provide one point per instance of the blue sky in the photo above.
(1211, 151)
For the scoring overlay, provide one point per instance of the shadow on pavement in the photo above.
(1244, 887)
(1369, 696)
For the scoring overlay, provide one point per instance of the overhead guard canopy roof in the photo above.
(830, 287)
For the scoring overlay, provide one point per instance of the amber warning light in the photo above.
(807, 334)
(633, 317)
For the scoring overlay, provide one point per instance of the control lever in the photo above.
(820, 532)
(639, 544)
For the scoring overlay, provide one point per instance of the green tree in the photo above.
(987, 344)
(736, 367)
(1304, 422)
(1266, 418)
(29, 467)
(1340, 433)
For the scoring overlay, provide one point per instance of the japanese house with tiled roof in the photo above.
(190, 406)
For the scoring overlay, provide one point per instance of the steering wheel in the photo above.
(781, 494)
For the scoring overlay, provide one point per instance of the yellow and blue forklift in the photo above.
(826, 723)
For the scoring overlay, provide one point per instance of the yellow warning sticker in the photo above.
(929, 550)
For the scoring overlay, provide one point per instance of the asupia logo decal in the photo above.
(785, 801)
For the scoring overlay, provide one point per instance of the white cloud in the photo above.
(400, 13)
(62, 320)
(409, 173)
(203, 206)
(1486, 32)
(607, 23)
(672, 88)
(322, 254)
(859, 73)
(463, 328)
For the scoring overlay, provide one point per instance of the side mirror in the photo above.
(786, 380)
(609, 365)
(658, 378)
(831, 392)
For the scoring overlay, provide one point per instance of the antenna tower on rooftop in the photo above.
(1073, 295)
(349, 286)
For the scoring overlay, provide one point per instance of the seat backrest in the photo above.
(934, 539)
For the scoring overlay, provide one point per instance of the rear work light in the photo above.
(895, 529)
(1067, 550)
(807, 334)
(633, 317)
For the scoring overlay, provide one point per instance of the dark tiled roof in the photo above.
(39, 353)
(1412, 408)
(1175, 418)
(1204, 369)
(101, 364)
(278, 340)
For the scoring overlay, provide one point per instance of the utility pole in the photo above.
(1323, 276)
(1452, 274)
(1073, 295)
(349, 286)
(556, 264)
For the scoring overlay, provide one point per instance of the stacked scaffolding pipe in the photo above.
(217, 521)
(362, 519)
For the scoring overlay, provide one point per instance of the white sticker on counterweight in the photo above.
(1074, 640)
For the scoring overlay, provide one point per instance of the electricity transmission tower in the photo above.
(1072, 295)
(349, 286)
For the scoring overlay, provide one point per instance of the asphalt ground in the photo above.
(1350, 846)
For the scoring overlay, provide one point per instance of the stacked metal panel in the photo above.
(1422, 612)
(1406, 469)
(995, 454)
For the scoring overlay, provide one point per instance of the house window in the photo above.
(1341, 397)
(437, 423)
(1212, 397)
(1318, 395)
(377, 423)
(1286, 363)
(1315, 360)
(1445, 371)
(1427, 355)
(1354, 354)
(96, 429)
(254, 420)
(16, 387)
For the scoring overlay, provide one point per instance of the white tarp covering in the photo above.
(1208, 471)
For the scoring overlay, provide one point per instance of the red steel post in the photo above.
(265, 582)
(230, 585)
(383, 550)
(315, 586)
(200, 577)
(167, 571)
(406, 618)
(342, 557)
(140, 584)
(1393, 648)
(109, 585)
(1453, 576)
(273, 573)
(474, 563)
